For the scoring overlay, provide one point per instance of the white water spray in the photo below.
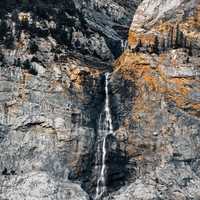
(124, 45)
(107, 129)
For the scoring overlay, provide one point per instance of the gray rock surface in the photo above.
(150, 12)
(39, 185)
(47, 128)
(157, 124)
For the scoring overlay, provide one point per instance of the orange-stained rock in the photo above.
(176, 81)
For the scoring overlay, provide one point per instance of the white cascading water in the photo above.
(107, 129)
(124, 45)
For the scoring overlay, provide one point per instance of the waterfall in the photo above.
(106, 128)
(124, 45)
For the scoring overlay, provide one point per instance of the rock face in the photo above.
(47, 128)
(156, 108)
(160, 26)
(90, 27)
(53, 58)
(38, 185)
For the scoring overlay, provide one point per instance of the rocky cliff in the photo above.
(158, 125)
(53, 58)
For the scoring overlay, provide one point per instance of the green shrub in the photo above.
(33, 47)
(3, 29)
(28, 66)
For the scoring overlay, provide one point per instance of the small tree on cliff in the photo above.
(163, 44)
(190, 49)
(3, 29)
(156, 45)
(24, 2)
(179, 38)
(18, 62)
(27, 64)
(184, 42)
(171, 37)
(169, 44)
(33, 47)
(9, 42)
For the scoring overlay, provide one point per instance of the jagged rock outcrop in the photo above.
(162, 25)
(93, 28)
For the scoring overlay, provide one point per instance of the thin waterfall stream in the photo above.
(106, 128)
